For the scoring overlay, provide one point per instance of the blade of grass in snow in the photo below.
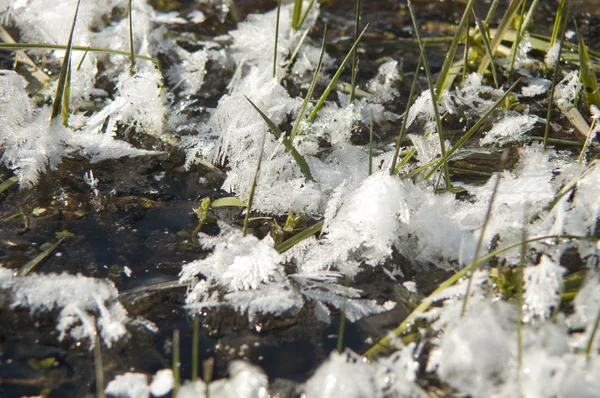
(310, 5)
(504, 26)
(208, 367)
(253, 185)
(371, 142)
(98, 367)
(530, 13)
(441, 83)
(472, 130)
(331, 84)
(434, 97)
(50, 47)
(517, 42)
(520, 273)
(355, 53)
(587, 75)
(557, 22)
(82, 59)
(11, 182)
(411, 97)
(228, 202)
(488, 216)
(590, 344)
(405, 160)
(385, 344)
(66, 99)
(62, 79)
(39, 259)
(195, 347)
(176, 364)
(486, 44)
(296, 14)
(342, 327)
(586, 142)
(491, 12)
(276, 37)
(131, 57)
(300, 117)
(299, 237)
(286, 143)
(554, 83)
(466, 52)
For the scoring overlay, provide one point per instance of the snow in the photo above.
(128, 385)
(86, 306)
(367, 218)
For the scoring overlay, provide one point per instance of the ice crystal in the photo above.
(86, 305)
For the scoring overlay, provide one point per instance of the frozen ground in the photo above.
(497, 343)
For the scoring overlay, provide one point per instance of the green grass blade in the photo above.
(517, 42)
(557, 21)
(62, 79)
(520, 274)
(176, 365)
(554, 83)
(334, 79)
(195, 347)
(529, 17)
(491, 12)
(486, 44)
(473, 129)
(588, 77)
(50, 47)
(296, 14)
(371, 142)
(411, 97)
(411, 152)
(131, 57)
(466, 53)
(228, 202)
(488, 216)
(310, 5)
(504, 26)
(39, 259)
(98, 367)
(300, 117)
(462, 28)
(355, 53)
(434, 97)
(286, 143)
(299, 237)
(253, 186)
(590, 344)
(66, 99)
(9, 183)
(276, 38)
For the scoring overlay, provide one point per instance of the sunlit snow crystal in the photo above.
(342, 376)
(509, 129)
(129, 385)
(542, 288)
(381, 86)
(86, 305)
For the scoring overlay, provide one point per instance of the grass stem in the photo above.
(355, 53)
(554, 83)
(411, 97)
(276, 38)
(131, 53)
(434, 98)
(253, 185)
(98, 367)
(488, 216)
(195, 347)
(176, 364)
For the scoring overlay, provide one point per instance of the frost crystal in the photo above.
(542, 287)
(86, 305)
